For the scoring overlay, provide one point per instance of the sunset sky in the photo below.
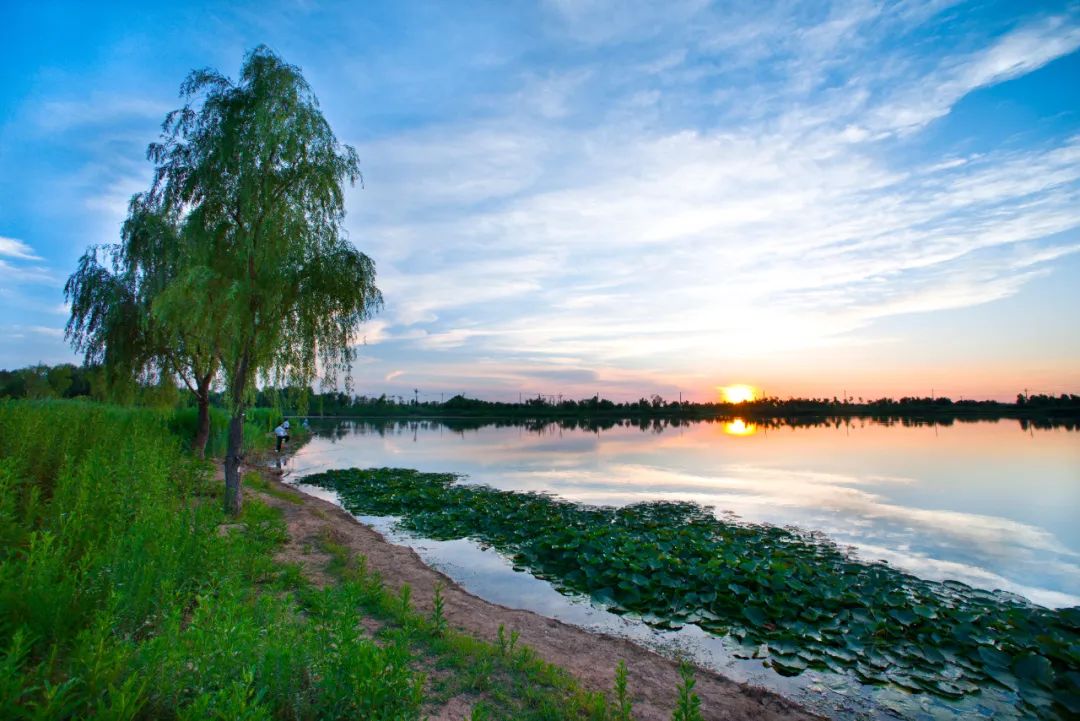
(622, 198)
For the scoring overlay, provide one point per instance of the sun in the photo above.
(737, 393)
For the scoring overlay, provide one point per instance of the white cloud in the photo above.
(1017, 53)
(11, 273)
(13, 248)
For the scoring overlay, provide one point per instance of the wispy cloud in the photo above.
(648, 190)
(650, 245)
(13, 248)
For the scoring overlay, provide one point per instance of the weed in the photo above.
(688, 705)
(438, 616)
(623, 706)
(507, 645)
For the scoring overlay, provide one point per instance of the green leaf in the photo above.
(993, 657)
(1033, 667)
(755, 615)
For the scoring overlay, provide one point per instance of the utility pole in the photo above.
(416, 396)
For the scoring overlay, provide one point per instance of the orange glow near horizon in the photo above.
(738, 393)
(739, 427)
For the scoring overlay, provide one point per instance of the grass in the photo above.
(126, 594)
(254, 480)
(259, 425)
(123, 594)
(502, 680)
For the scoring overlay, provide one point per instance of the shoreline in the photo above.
(588, 656)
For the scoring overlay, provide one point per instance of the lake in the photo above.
(990, 503)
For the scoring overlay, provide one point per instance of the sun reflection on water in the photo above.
(739, 427)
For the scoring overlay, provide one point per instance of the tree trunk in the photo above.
(234, 454)
(202, 428)
(233, 499)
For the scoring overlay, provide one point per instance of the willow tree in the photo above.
(121, 318)
(255, 172)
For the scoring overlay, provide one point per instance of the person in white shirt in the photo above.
(282, 436)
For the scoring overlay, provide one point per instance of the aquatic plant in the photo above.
(792, 597)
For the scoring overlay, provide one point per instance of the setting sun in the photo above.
(737, 393)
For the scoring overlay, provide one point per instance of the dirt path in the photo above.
(590, 657)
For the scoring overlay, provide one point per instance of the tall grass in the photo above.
(123, 594)
(259, 424)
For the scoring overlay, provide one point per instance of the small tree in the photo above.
(256, 174)
(122, 310)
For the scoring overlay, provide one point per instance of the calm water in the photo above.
(987, 503)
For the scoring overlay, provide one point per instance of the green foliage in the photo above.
(687, 705)
(124, 314)
(806, 599)
(256, 173)
(258, 424)
(41, 381)
(123, 596)
(252, 177)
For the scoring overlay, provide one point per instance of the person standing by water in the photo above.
(282, 435)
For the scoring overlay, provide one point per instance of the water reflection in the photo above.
(739, 427)
(546, 426)
(988, 503)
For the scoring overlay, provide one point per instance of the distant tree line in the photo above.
(68, 380)
(71, 381)
(306, 401)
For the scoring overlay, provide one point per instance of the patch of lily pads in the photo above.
(792, 597)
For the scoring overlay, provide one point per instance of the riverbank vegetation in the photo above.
(126, 592)
(793, 598)
(125, 597)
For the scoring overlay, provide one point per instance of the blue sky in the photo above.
(623, 198)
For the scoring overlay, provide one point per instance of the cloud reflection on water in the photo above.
(936, 506)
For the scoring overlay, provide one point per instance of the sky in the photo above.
(622, 198)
